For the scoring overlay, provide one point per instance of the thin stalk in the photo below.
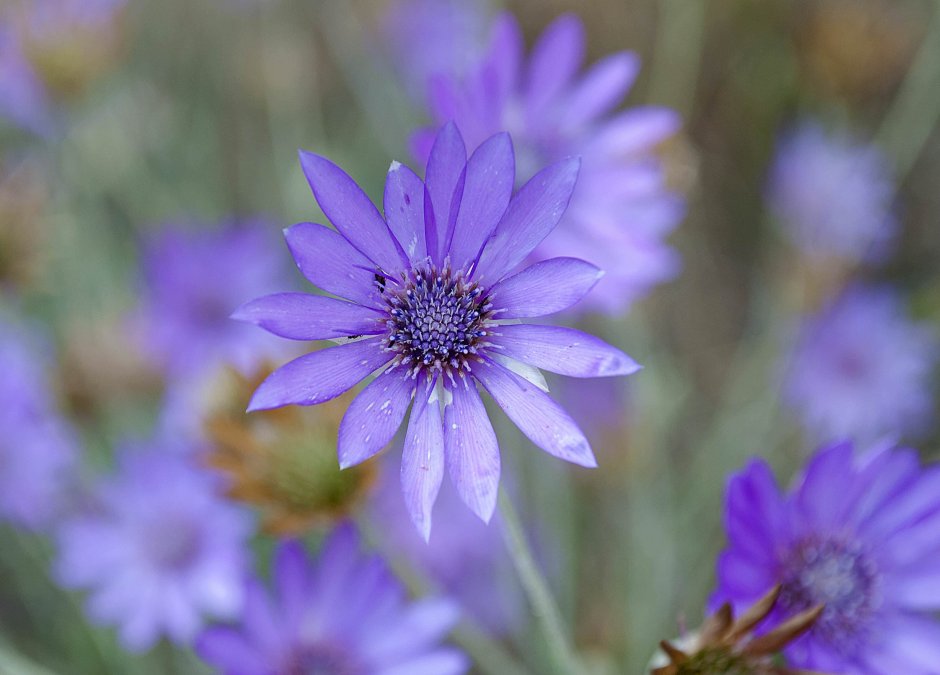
(537, 590)
(914, 112)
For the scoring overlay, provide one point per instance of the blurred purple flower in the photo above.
(861, 368)
(428, 37)
(832, 194)
(38, 449)
(466, 559)
(859, 534)
(23, 98)
(429, 290)
(346, 613)
(162, 549)
(622, 208)
(193, 280)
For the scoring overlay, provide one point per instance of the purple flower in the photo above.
(429, 37)
(858, 534)
(345, 613)
(466, 559)
(161, 551)
(23, 98)
(861, 368)
(429, 294)
(37, 447)
(833, 195)
(193, 280)
(622, 209)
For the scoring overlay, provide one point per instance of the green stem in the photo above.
(536, 588)
(674, 67)
(913, 115)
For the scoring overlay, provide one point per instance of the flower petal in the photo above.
(634, 131)
(418, 627)
(404, 209)
(374, 416)
(472, 449)
(544, 288)
(352, 212)
(562, 350)
(555, 59)
(319, 376)
(442, 661)
(505, 55)
(300, 316)
(229, 650)
(445, 167)
(330, 262)
(531, 215)
(422, 462)
(601, 88)
(541, 419)
(487, 189)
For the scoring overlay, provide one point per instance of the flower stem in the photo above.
(913, 114)
(537, 590)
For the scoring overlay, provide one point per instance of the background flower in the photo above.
(857, 533)
(344, 613)
(160, 550)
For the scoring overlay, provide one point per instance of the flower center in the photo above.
(836, 574)
(437, 321)
(322, 659)
(172, 543)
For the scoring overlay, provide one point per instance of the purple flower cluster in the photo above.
(622, 208)
(160, 549)
(345, 613)
(38, 448)
(862, 368)
(426, 295)
(859, 534)
(834, 196)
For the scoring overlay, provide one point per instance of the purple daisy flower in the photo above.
(37, 447)
(622, 209)
(345, 613)
(161, 551)
(430, 294)
(861, 368)
(832, 195)
(193, 280)
(858, 534)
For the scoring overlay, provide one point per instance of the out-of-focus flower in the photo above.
(431, 291)
(160, 552)
(50, 50)
(622, 208)
(466, 559)
(38, 449)
(861, 368)
(284, 461)
(23, 231)
(344, 613)
(832, 195)
(727, 646)
(858, 534)
(430, 37)
(193, 280)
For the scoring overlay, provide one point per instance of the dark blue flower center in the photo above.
(837, 574)
(437, 320)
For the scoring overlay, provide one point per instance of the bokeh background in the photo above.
(187, 115)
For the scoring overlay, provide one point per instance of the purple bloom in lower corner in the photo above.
(858, 533)
(160, 551)
(431, 300)
(862, 368)
(344, 613)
